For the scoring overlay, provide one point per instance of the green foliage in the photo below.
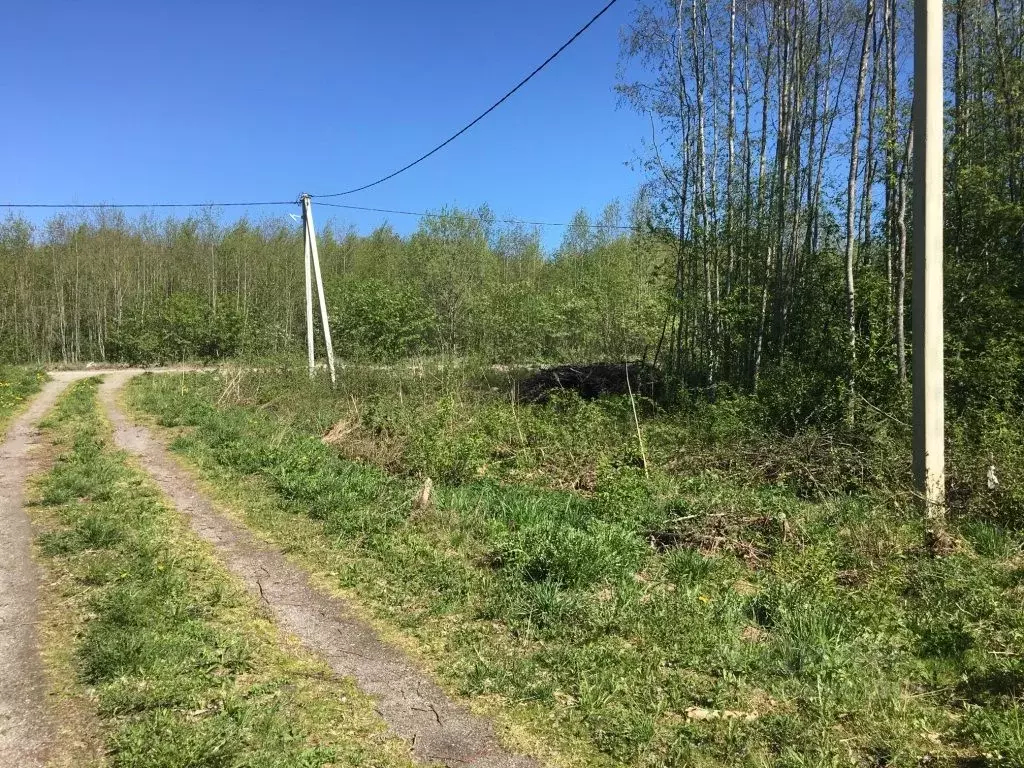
(741, 293)
(183, 327)
(459, 285)
(379, 321)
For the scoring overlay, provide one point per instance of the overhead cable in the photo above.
(481, 116)
(424, 215)
(146, 205)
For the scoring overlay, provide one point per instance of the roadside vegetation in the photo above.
(181, 666)
(738, 607)
(17, 384)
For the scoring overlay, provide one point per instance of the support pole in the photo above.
(307, 211)
(309, 292)
(928, 393)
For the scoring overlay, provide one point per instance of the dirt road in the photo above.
(437, 729)
(27, 735)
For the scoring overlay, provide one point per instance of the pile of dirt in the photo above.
(589, 380)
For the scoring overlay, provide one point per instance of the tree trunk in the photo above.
(901, 261)
(851, 216)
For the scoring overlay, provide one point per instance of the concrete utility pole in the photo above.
(929, 396)
(309, 292)
(313, 256)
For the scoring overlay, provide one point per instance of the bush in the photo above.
(379, 321)
(183, 327)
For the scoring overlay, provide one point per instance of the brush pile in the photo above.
(590, 381)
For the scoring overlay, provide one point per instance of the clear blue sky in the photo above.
(196, 101)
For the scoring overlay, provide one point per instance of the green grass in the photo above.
(183, 667)
(17, 384)
(689, 618)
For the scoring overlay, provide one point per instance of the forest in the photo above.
(765, 254)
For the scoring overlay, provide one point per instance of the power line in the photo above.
(482, 115)
(419, 214)
(390, 176)
(424, 215)
(146, 205)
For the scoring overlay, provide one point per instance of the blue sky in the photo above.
(189, 101)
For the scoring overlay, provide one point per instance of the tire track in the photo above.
(437, 728)
(28, 735)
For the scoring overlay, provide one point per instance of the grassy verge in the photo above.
(682, 618)
(181, 665)
(17, 384)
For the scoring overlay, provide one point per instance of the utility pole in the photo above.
(928, 393)
(309, 292)
(313, 257)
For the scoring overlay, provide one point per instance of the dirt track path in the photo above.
(437, 729)
(27, 732)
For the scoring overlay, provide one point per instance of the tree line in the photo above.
(102, 287)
